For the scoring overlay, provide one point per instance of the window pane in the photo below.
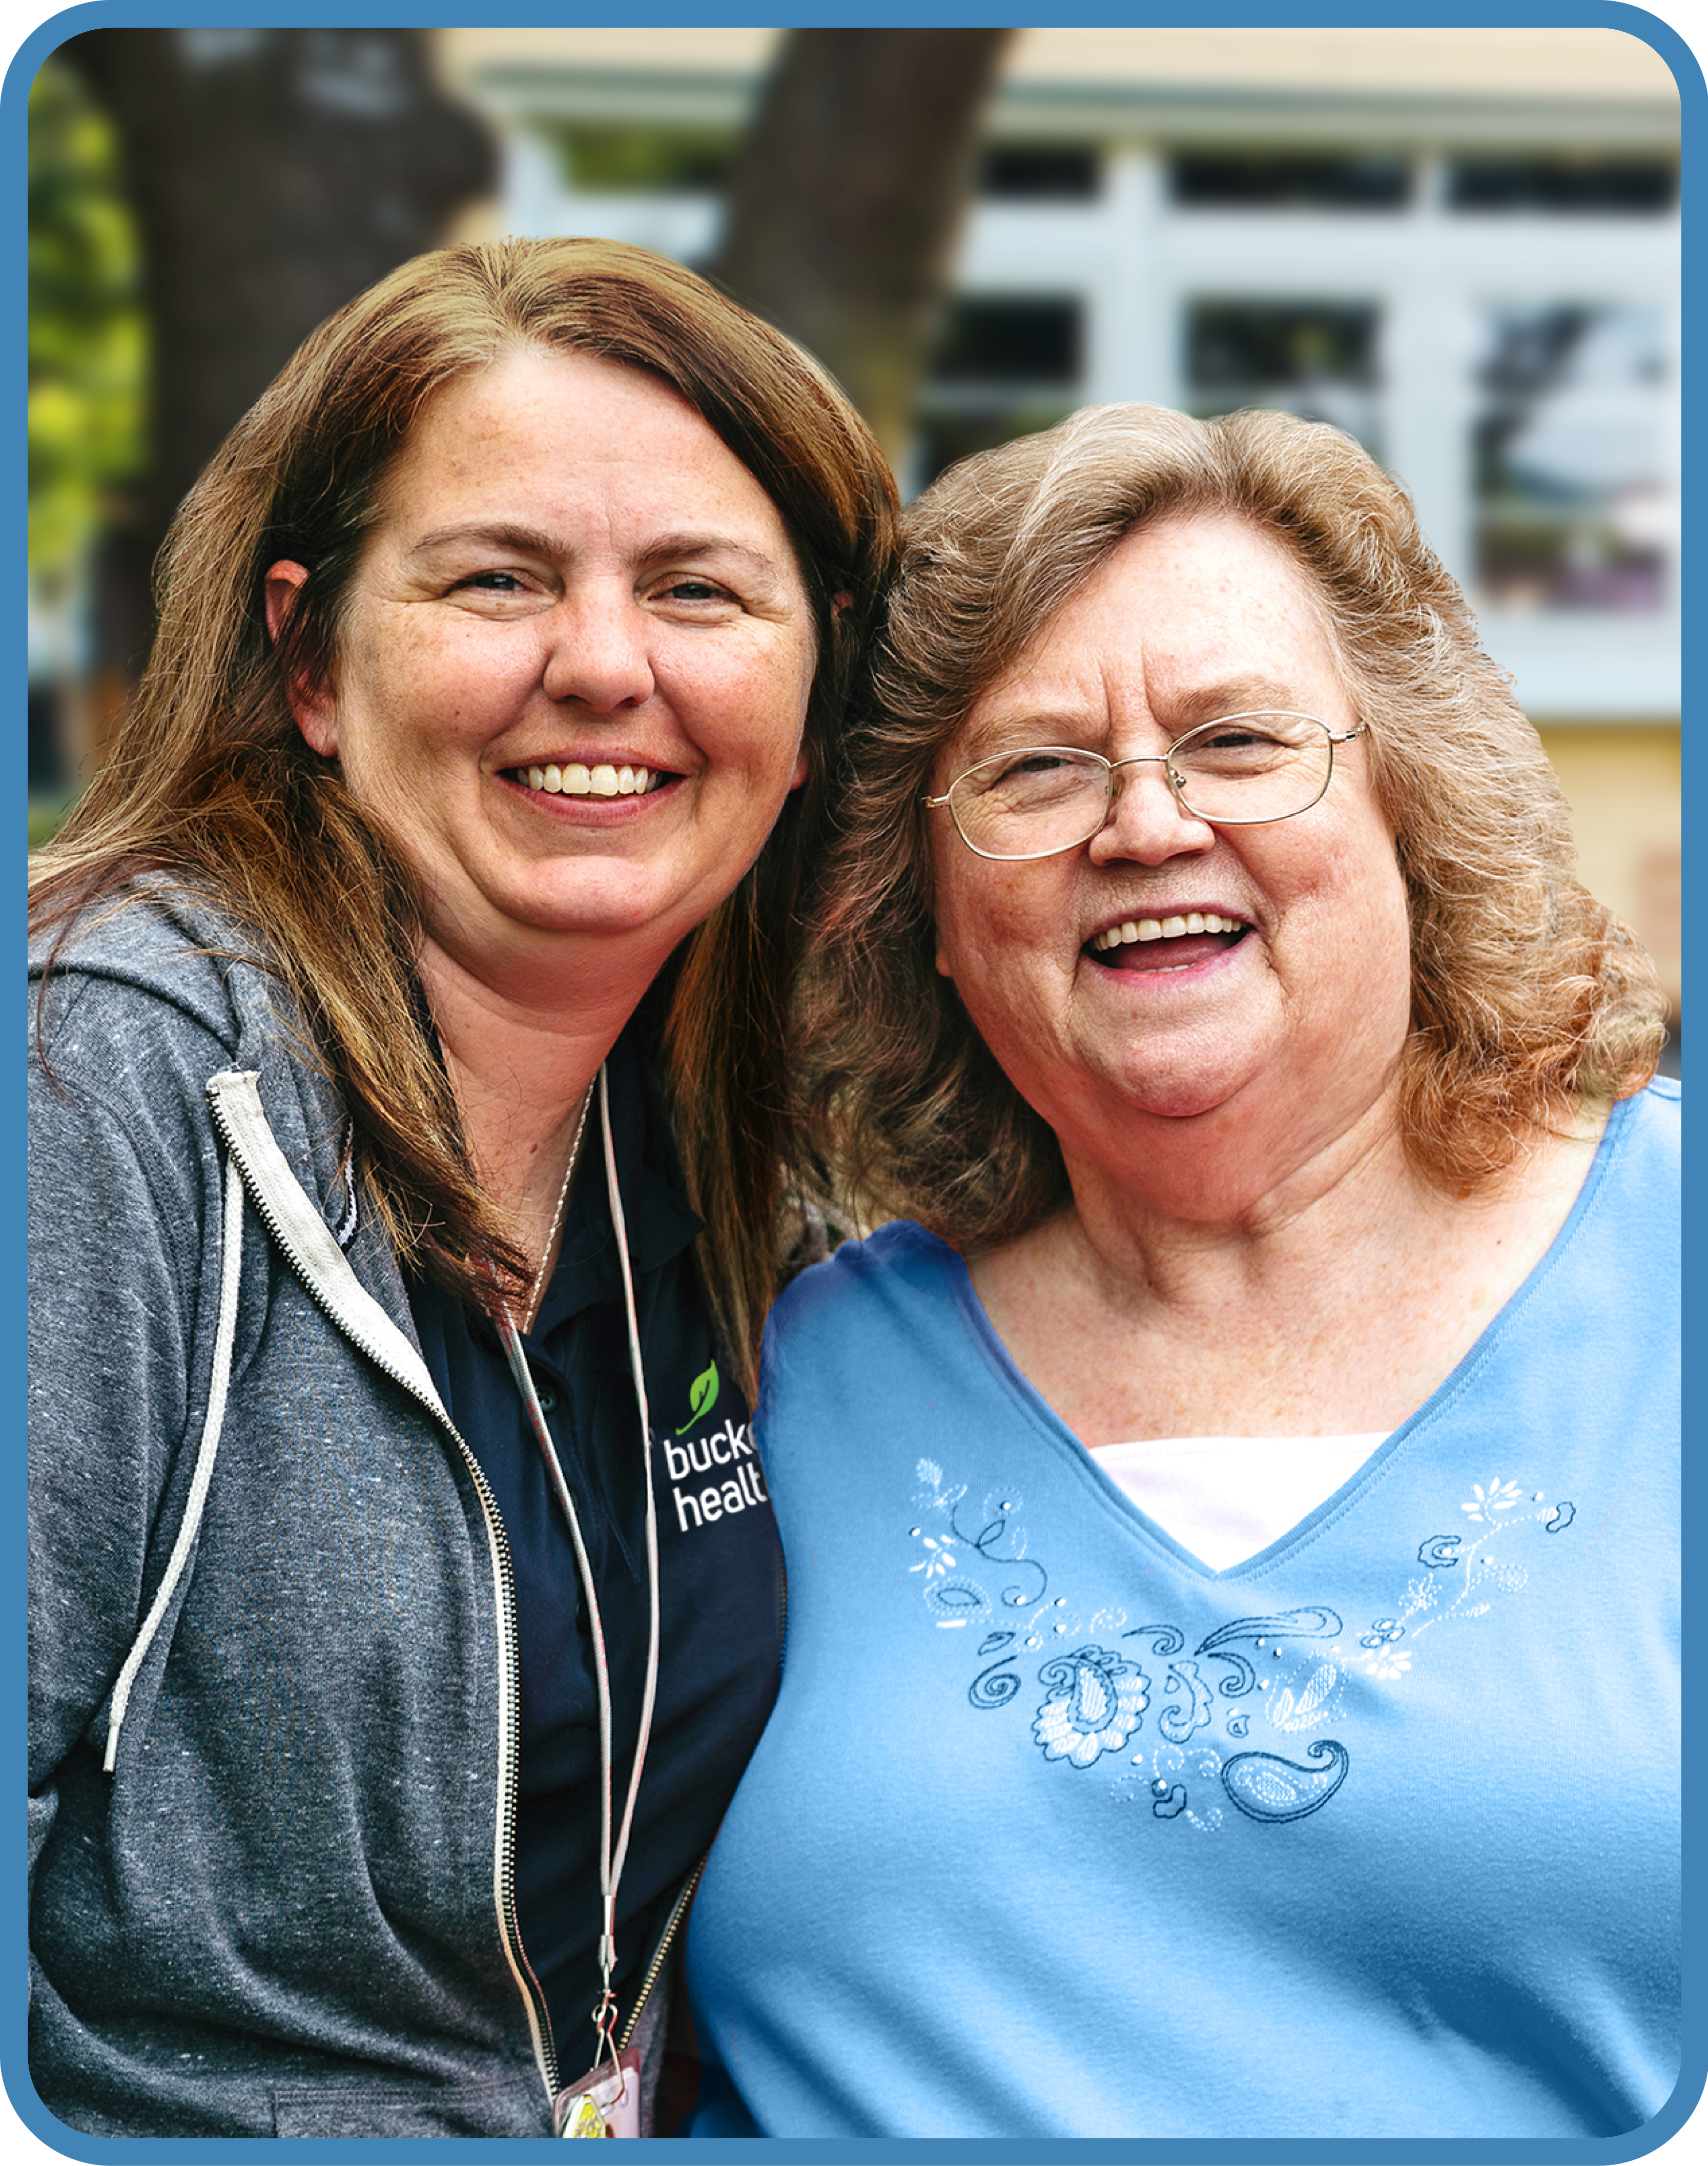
(1009, 341)
(1290, 181)
(1317, 358)
(1563, 184)
(1039, 172)
(1004, 368)
(1573, 508)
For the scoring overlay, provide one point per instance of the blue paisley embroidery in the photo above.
(994, 1686)
(1265, 1787)
(1178, 1722)
(1096, 1701)
(976, 1565)
(1316, 1622)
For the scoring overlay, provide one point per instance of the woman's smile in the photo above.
(574, 673)
(1165, 963)
(606, 777)
(1169, 942)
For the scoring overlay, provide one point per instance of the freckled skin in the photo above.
(1247, 1250)
(1299, 1024)
(567, 564)
(570, 564)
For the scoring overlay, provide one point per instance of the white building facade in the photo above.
(1461, 245)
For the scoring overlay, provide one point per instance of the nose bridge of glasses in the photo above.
(1171, 775)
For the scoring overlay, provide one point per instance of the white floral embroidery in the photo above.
(1387, 1662)
(940, 1559)
(1498, 1497)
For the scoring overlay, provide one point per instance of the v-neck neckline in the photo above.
(1044, 1417)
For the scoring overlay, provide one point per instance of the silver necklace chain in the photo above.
(537, 1292)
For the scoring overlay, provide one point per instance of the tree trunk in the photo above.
(849, 199)
(274, 173)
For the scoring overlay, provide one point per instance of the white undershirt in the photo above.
(1225, 1497)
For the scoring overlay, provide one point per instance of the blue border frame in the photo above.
(1232, 14)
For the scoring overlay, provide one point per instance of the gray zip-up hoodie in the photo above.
(272, 1699)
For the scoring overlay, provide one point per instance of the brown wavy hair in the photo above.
(208, 777)
(1527, 995)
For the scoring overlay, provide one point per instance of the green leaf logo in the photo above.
(702, 1395)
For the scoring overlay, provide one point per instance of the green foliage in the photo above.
(45, 817)
(639, 159)
(87, 333)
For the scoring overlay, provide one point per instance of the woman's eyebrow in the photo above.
(503, 534)
(695, 542)
(1242, 695)
(536, 541)
(1050, 719)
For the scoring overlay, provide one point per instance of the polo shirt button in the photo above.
(548, 1397)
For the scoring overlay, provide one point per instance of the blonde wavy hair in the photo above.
(1528, 997)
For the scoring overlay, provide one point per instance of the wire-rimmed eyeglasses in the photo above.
(1238, 771)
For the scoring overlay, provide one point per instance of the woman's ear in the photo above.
(315, 707)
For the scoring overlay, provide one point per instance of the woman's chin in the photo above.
(1182, 1100)
(1190, 1080)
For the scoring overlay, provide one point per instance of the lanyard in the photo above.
(611, 1857)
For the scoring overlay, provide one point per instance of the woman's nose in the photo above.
(598, 656)
(1146, 821)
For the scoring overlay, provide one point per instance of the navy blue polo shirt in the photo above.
(720, 1562)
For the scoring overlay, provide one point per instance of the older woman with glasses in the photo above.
(1231, 1515)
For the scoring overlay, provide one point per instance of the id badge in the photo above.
(605, 2102)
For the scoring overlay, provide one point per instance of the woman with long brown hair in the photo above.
(405, 1097)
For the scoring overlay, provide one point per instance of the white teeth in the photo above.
(1165, 928)
(574, 779)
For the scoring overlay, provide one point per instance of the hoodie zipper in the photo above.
(679, 1911)
(503, 1580)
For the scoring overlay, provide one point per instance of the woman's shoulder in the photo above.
(899, 1260)
(885, 1303)
(143, 997)
(1622, 1238)
(1647, 1132)
(153, 960)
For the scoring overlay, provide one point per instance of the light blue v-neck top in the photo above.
(1055, 1832)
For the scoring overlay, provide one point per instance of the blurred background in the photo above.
(1461, 245)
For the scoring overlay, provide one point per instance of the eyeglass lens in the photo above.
(1244, 769)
